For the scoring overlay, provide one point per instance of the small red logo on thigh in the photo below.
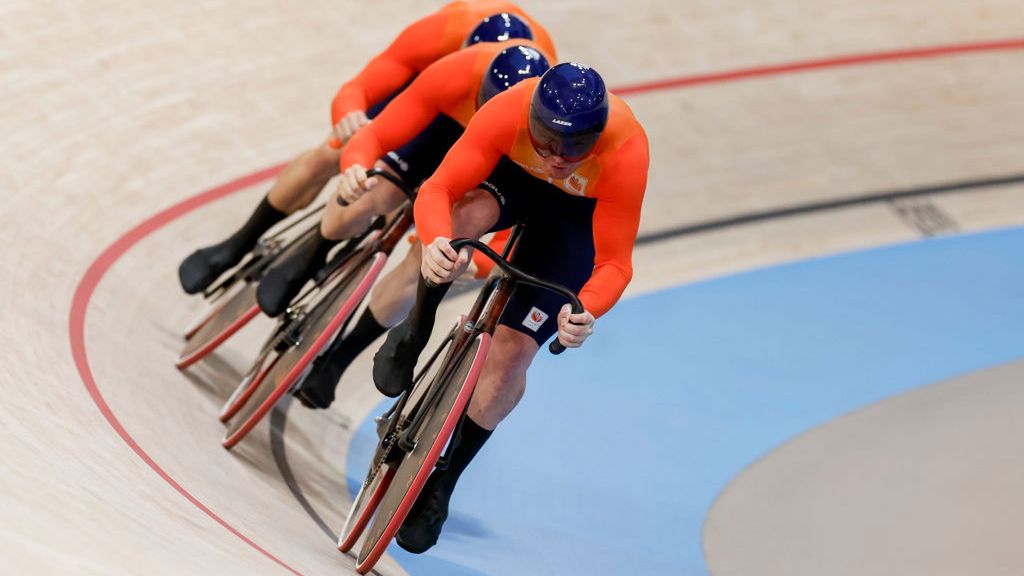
(535, 319)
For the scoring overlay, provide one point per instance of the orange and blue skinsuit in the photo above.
(615, 175)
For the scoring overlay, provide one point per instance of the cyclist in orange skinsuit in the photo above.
(419, 126)
(419, 46)
(422, 43)
(570, 160)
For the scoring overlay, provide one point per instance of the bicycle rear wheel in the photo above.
(433, 435)
(325, 319)
(235, 312)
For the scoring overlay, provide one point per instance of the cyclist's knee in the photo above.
(324, 160)
(475, 213)
(410, 265)
(512, 351)
(385, 195)
(342, 223)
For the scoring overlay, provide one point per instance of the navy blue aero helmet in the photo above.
(568, 112)
(498, 28)
(511, 66)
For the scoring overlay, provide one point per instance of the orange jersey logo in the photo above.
(576, 184)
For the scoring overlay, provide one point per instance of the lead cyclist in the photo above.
(568, 159)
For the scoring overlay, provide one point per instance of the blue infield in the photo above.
(612, 460)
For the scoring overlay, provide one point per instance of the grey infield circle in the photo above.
(902, 487)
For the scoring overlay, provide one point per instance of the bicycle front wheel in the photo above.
(234, 313)
(433, 435)
(364, 506)
(324, 321)
(250, 383)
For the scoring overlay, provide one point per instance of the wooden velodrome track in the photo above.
(113, 111)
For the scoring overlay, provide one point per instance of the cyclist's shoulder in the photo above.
(624, 137)
(621, 119)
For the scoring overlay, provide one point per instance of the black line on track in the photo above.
(278, 447)
(811, 207)
(278, 423)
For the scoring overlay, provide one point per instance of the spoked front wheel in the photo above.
(324, 321)
(250, 383)
(433, 435)
(364, 505)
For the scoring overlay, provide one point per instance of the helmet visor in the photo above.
(573, 147)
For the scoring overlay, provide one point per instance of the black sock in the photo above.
(424, 311)
(471, 438)
(395, 361)
(261, 220)
(322, 249)
(344, 350)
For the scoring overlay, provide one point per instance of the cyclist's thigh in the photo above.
(385, 196)
(510, 186)
(558, 246)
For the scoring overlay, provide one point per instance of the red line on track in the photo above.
(103, 263)
(833, 62)
(79, 307)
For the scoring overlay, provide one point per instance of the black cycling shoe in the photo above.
(317, 389)
(422, 526)
(203, 266)
(282, 282)
(395, 362)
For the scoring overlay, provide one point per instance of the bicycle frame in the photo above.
(437, 414)
(320, 313)
(482, 318)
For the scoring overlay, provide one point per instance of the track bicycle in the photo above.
(415, 430)
(314, 318)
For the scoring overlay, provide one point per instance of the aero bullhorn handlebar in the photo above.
(517, 275)
(387, 176)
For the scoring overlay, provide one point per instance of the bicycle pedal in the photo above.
(404, 444)
(382, 426)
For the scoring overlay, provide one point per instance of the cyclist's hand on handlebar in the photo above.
(573, 329)
(440, 263)
(354, 183)
(350, 124)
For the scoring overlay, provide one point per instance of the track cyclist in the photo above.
(454, 26)
(419, 127)
(569, 160)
